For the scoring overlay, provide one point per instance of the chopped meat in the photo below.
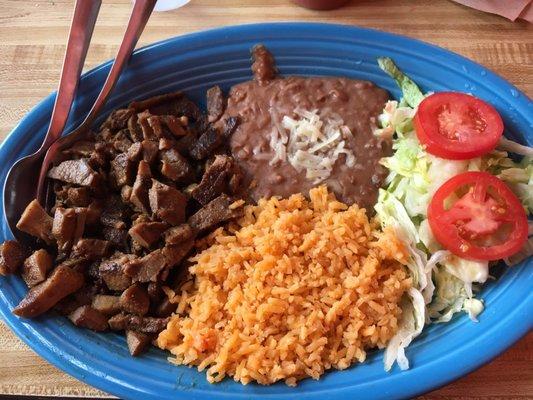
(167, 203)
(118, 119)
(121, 141)
(147, 233)
(186, 143)
(139, 193)
(166, 144)
(81, 148)
(114, 213)
(149, 150)
(94, 213)
(36, 267)
(88, 317)
(147, 268)
(178, 234)
(166, 308)
(117, 237)
(174, 166)
(169, 104)
(106, 304)
(230, 124)
(135, 300)
(215, 180)
(35, 221)
(78, 197)
(154, 101)
(155, 292)
(134, 129)
(206, 144)
(112, 272)
(77, 172)
(137, 342)
(174, 125)
(216, 103)
(135, 152)
(215, 212)
(91, 249)
(76, 263)
(99, 156)
(68, 227)
(12, 256)
(122, 322)
(125, 193)
(158, 126)
(142, 119)
(174, 254)
(62, 282)
(122, 170)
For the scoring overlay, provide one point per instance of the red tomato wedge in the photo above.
(457, 126)
(476, 216)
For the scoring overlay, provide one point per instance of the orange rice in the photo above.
(296, 287)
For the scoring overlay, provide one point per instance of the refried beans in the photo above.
(261, 104)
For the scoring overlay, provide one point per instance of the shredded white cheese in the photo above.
(310, 144)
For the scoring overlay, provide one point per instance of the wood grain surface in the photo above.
(32, 38)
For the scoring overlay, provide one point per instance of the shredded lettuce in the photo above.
(473, 307)
(513, 147)
(410, 326)
(411, 92)
(443, 284)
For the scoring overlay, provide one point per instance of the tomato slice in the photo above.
(476, 216)
(457, 126)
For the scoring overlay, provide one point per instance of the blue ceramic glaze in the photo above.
(195, 62)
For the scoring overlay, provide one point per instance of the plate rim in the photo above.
(21, 328)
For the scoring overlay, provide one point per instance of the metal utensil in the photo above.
(28, 182)
(141, 12)
(21, 181)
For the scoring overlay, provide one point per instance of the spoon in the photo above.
(21, 180)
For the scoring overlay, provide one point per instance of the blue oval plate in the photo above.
(195, 62)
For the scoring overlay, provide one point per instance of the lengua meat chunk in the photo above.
(77, 172)
(36, 267)
(36, 221)
(167, 203)
(206, 144)
(41, 298)
(122, 170)
(137, 341)
(178, 234)
(147, 233)
(68, 226)
(12, 256)
(106, 304)
(135, 300)
(139, 193)
(147, 268)
(174, 166)
(112, 272)
(123, 321)
(215, 212)
(91, 249)
(216, 103)
(88, 317)
(214, 181)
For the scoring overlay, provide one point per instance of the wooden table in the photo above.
(32, 38)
